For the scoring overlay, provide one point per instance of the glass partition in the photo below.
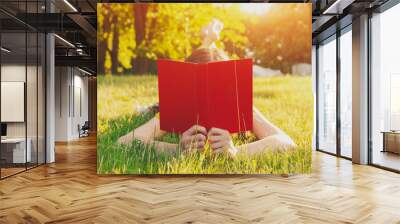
(14, 143)
(22, 77)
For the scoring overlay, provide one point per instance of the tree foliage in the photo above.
(132, 36)
(282, 37)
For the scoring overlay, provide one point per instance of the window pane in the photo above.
(386, 89)
(327, 97)
(346, 93)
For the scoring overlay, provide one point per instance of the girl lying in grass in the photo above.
(269, 137)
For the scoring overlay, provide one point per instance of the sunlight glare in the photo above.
(255, 8)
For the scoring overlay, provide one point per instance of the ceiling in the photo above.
(75, 22)
(331, 15)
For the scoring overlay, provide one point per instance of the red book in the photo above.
(216, 94)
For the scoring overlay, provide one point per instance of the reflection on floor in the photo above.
(387, 159)
(70, 191)
(10, 169)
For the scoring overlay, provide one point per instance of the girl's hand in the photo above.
(194, 138)
(220, 140)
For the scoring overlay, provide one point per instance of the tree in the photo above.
(282, 37)
(135, 35)
(140, 11)
(103, 35)
(115, 45)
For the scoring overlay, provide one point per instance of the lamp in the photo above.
(70, 5)
(5, 50)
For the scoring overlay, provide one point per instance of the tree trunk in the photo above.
(115, 43)
(102, 47)
(140, 12)
(101, 56)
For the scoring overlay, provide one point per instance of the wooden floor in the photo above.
(5, 172)
(69, 191)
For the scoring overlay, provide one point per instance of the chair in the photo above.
(84, 130)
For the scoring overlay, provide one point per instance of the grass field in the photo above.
(287, 101)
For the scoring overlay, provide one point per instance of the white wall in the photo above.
(13, 100)
(14, 73)
(62, 81)
(70, 83)
(80, 85)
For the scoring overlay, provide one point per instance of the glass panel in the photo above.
(346, 93)
(327, 96)
(394, 102)
(32, 87)
(31, 98)
(2, 126)
(41, 99)
(13, 86)
(386, 89)
(2, 161)
(22, 88)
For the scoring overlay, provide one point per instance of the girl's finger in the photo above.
(199, 144)
(215, 138)
(195, 129)
(219, 145)
(198, 137)
(217, 131)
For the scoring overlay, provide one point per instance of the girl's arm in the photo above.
(270, 137)
(146, 133)
(192, 139)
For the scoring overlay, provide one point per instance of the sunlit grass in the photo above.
(286, 101)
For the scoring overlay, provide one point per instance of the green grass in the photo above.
(286, 101)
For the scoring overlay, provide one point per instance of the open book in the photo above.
(216, 94)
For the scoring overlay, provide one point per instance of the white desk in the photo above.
(18, 150)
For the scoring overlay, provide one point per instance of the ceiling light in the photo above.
(84, 71)
(337, 7)
(65, 41)
(5, 50)
(70, 5)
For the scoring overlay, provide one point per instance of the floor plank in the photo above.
(69, 191)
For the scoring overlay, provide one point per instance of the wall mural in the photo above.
(216, 88)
